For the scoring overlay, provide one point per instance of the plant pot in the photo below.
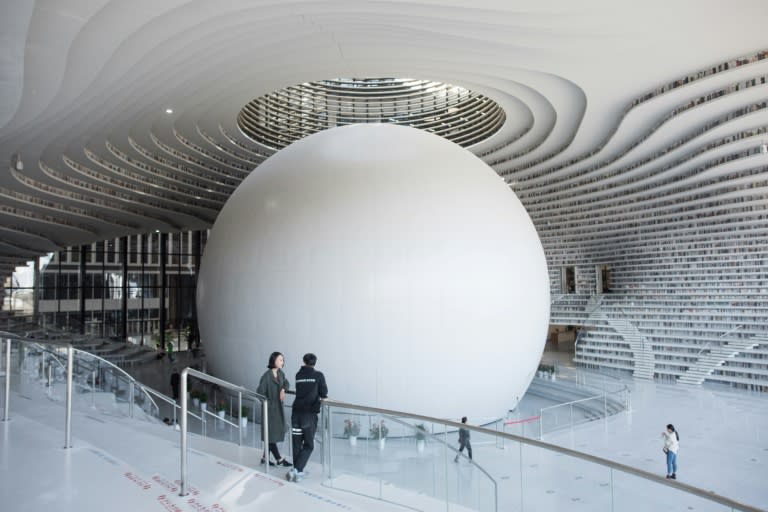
(243, 422)
(420, 443)
(196, 402)
(203, 406)
(221, 414)
(382, 442)
(352, 440)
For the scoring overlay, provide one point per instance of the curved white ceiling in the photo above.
(84, 86)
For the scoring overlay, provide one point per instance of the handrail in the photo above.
(6, 334)
(603, 397)
(161, 396)
(475, 464)
(183, 423)
(574, 401)
(726, 333)
(219, 418)
(675, 484)
(708, 345)
(7, 391)
(130, 378)
(101, 360)
(690, 489)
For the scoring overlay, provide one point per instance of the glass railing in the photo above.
(241, 393)
(416, 465)
(223, 414)
(403, 458)
(604, 397)
(95, 382)
(100, 386)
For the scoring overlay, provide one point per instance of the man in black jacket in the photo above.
(310, 388)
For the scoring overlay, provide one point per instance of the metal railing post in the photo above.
(183, 422)
(68, 420)
(240, 417)
(322, 435)
(541, 424)
(265, 433)
(130, 399)
(50, 379)
(7, 392)
(93, 389)
(327, 435)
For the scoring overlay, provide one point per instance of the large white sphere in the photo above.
(399, 258)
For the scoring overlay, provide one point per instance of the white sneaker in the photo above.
(298, 476)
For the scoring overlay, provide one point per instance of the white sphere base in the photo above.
(399, 258)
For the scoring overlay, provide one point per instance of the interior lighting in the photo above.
(169, 111)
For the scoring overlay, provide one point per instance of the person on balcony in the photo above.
(274, 385)
(310, 389)
(464, 441)
(175, 383)
(671, 446)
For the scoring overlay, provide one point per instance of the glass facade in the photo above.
(114, 288)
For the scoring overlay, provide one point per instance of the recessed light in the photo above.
(169, 111)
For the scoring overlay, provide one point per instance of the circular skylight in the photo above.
(458, 114)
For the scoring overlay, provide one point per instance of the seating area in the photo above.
(119, 353)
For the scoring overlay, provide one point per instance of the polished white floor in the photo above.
(129, 464)
(723, 435)
(123, 464)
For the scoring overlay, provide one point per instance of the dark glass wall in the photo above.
(124, 299)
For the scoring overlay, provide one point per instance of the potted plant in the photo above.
(203, 397)
(421, 437)
(351, 431)
(244, 413)
(379, 432)
(221, 409)
(195, 395)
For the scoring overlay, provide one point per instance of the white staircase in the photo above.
(594, 303)
(642, 352)
(714, 356)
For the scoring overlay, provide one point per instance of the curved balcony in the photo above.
(279, 118)
(394, 457)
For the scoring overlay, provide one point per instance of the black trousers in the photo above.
(468, 446)
(303, 427)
